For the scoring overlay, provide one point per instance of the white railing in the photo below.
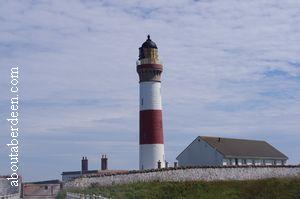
(11, 196)
(148, 61)
(82, 196)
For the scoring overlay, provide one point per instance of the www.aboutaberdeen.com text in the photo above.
(14, 127)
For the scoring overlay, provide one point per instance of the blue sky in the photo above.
(231, 68)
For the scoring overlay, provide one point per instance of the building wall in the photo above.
(41, 190)
(257, 162)
(193, 174)
(6, 188)
(200, 153)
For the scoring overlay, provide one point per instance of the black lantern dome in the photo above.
(149, 43)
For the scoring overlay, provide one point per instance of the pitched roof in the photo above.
(79, 172)
(230, 147)
(93, 172)
(44, 182)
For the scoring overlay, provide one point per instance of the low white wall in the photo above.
(6, 188)
(190, 174)
(82, 196)
(11, 196)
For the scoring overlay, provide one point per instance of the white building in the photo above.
(215, 151)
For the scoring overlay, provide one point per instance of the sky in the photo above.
(231, 69)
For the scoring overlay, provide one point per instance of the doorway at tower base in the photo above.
(151, 154)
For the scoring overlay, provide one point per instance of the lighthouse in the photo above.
(149, 69)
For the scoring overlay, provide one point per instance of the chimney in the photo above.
(103, 162)
(84, 164)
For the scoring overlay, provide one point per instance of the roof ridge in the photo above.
(232, 138)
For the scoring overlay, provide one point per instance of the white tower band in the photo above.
(151, 130)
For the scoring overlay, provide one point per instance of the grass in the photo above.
(61, 195)
(252, 189)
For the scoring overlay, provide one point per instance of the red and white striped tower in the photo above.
(151, 130)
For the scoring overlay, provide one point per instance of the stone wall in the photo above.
(5, 187)
(189, 174)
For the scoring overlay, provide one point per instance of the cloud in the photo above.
(230, 69)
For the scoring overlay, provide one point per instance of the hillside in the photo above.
(267, 188)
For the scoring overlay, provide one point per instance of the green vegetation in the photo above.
(61, 195)
(252, 189)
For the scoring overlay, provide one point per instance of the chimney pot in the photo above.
(84, 164)
(103, 162)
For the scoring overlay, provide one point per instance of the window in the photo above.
(224, 163)
(46, 187)
(244, 161)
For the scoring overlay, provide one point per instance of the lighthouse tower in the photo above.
(151, 130)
